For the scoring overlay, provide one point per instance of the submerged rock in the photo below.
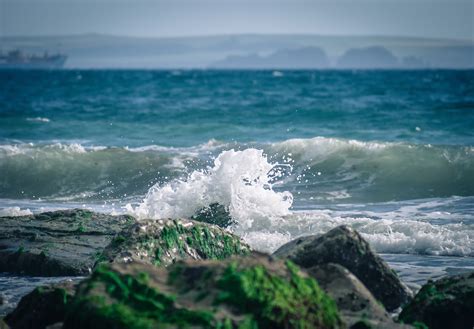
(445, 303)
(65, 242)
(164, 241)
(42, 307)
(343, 245)
(356, 304)
(245, 292)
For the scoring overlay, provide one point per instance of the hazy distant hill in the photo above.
(301, 58)
(103, 51)
(371, 57)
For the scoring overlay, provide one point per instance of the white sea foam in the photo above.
(38, 119)
(14, 212)
(239, 180)
(384, 235)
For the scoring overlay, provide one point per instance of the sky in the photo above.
(167, 18)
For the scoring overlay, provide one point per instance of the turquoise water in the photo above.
(388, 152)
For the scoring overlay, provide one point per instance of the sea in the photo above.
(288, 153)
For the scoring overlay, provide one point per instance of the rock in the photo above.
(242, 292)
(356, 304)
(162, 242)
(343, 245)
(215, 214)
(445, 303)
(57, 243)
(42, 307)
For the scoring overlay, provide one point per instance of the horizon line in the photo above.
(302, 34)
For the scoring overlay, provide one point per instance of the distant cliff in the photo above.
(368, 58)
(301, 58)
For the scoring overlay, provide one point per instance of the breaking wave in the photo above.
(242, 181)
(274, 192)
(323, 170)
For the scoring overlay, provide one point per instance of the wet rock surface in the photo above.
(44, 306)
(59, 243)
(445, 303)
(346, 247)
(356, 304)
(163, 242)
(215, 214)
(242, 292)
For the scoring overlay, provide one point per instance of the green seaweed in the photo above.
(119, 239)
(275, 302)
(134, 305)
(209, 244)
(81, 228)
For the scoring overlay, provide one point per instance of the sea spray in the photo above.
(241, 181)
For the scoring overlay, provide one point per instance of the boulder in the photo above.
(42, 307)
(356, 304)
(344, 246)
(164, 241)
(242, 292)
(59, 243)
(445, 303)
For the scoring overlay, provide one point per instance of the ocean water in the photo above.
(290, 153)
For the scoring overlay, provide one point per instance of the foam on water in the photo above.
(399, 236)
(14, 212)
(239, 180)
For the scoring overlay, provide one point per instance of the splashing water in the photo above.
(242, 181)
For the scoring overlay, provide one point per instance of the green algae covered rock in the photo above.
(345, 246)
(164, 241)
(445, 303)
(43, 306)
(242, 292)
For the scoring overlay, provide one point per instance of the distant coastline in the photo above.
(251, 51)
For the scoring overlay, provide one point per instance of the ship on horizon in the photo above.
(16, 59)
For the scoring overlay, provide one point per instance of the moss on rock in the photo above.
(245, 293)
(446, 303)
(162, 242)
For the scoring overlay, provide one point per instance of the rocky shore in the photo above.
(190, 273)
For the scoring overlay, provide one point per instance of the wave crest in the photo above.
(239, 180)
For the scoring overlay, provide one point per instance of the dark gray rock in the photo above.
(164, 241)
(215, 214)
(445, 303)
(42, 307)
(58, 243)
(343, 245)
(356, 304)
